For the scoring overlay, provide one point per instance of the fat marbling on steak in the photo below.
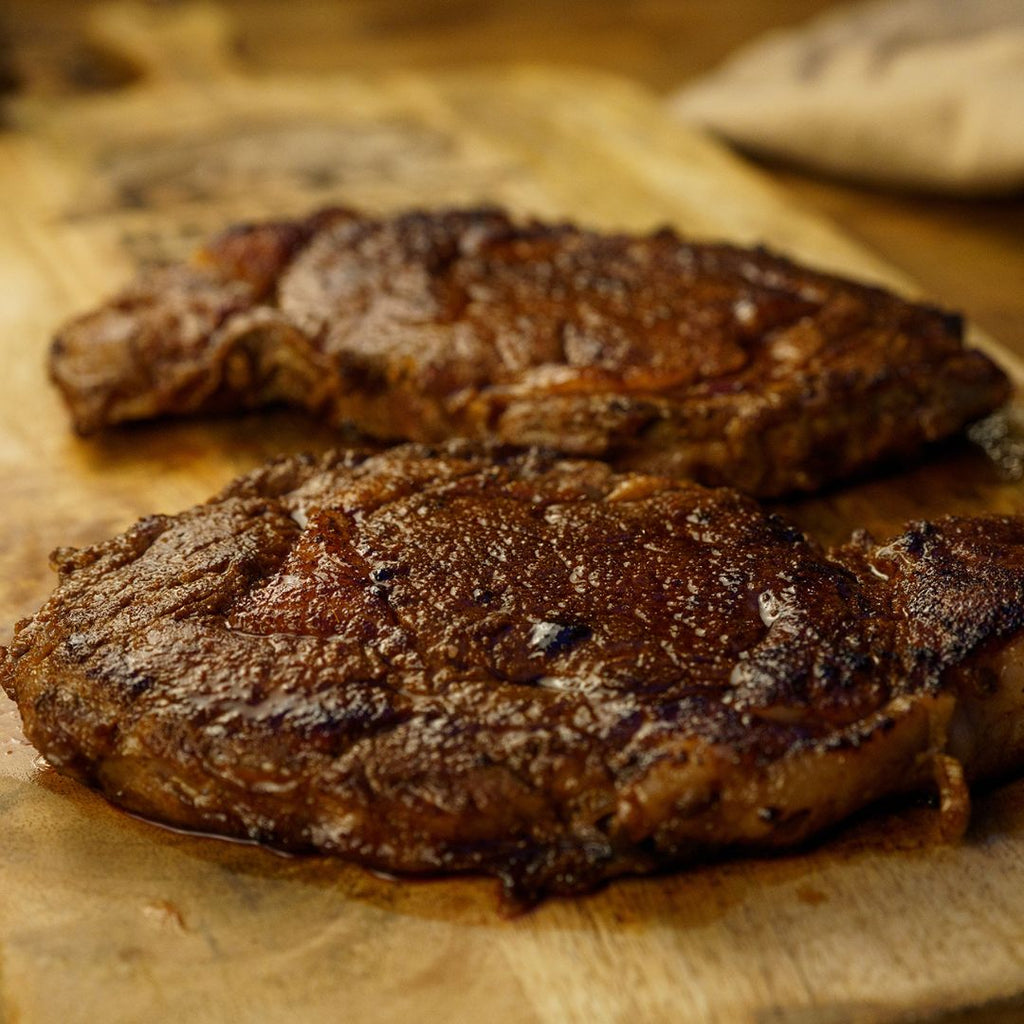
(468, 659)
(723, 364)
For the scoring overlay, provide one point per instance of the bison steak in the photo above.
(723, 364)
(472, 659)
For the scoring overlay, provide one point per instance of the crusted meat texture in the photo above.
(473, 660)
(721, 364)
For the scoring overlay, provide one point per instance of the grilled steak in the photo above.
(467, 659)
(722, 364)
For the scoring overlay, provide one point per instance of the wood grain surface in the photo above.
(103, 917)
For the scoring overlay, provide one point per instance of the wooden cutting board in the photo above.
(104, 917)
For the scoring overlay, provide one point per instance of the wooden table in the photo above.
(105, 917)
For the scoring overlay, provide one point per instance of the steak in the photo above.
(471, 659)
(726, 365)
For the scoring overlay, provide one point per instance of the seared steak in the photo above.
(467, 659)
(722, 364)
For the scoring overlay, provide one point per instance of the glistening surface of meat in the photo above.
(467, 659)
(722, 364)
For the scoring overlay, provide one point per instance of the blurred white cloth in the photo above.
(924, 94)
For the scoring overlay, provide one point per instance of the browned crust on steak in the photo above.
(723, 364)
(473, 660)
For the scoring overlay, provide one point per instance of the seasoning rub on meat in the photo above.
(470, 659)
(727, 365)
